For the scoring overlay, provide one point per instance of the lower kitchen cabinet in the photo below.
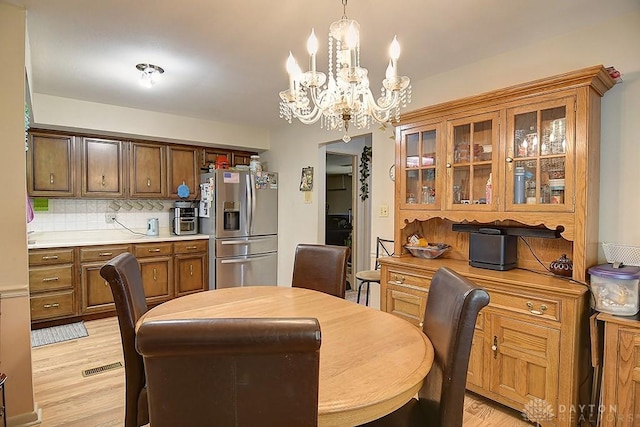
(52, 284)
(65, 283)
(191, 267)
(621, 371)
(156, 268)
(530, 349)
(96, 292)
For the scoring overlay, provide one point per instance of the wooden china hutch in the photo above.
(525, 156)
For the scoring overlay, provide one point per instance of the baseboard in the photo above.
(27, 419)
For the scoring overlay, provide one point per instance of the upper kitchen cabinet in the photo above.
(183, 168)
(51, 165)
(102, 165)
(148, 170)
(526, 154)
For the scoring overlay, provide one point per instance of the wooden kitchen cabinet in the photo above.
(621, 371)
(531, 320)
(52, 284)
(96, 292)
(102, 168)
(183, 168)
(51, 165)
(156, 268)
(191, 266)
(148, 170)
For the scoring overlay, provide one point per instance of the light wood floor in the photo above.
(68, 399)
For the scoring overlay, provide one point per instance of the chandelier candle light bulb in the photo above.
(346, 99)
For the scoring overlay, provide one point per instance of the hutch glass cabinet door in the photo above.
(539, 159)
(470, 162)
(419, 157)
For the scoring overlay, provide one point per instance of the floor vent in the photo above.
(101, 369)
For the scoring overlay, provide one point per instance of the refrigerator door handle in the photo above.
(234, 261)
(241, 242)
(250, 211)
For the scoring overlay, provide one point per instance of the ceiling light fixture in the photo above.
(150, 74)
(346, 98)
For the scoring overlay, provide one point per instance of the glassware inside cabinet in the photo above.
(472, 160)
(420, 167)
(539, 169)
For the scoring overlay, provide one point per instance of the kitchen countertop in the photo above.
(58, 239)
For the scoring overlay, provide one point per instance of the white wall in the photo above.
(613, 43)
(63, 113)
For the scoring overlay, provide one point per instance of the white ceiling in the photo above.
(224, 61)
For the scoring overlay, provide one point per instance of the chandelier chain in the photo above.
(344, 9)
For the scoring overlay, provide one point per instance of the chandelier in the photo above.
(345, 99)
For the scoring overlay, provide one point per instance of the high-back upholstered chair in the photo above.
(321, 268)
(123, 275)
(232, 372)
(384, 247)
(449, 321)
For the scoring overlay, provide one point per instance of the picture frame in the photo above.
(306, 180)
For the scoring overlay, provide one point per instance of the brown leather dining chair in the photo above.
(124, 277)
(232, 372)
(449, 321)
(321, 268)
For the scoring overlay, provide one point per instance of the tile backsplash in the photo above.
(82, 214)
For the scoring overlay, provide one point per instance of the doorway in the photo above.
(340, 203)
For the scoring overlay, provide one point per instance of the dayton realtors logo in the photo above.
(540, 411)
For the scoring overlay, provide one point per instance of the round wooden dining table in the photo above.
(371, 362)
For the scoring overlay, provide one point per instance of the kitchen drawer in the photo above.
(102, 253)
(545, 308)
(52, 305)
(409, 278)
(189, 246)
(405, 303)
(50, 278)
(50, 256)
(152, 249)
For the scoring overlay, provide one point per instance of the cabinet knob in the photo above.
(46, 258)
(51, 178)
(105, 254)
(103, 183)
(155, 274)
(543, 308)
(190, 269)
(154, 250)
(50, 279)
(148, 182)
(509, 159)
(448, 165)
(398, 279)
(190, 248)
(494, 347)
(53, 305)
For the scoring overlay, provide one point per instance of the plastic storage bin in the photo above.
(616, 289)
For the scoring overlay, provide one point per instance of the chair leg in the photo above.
(367, 298)
(360, 288)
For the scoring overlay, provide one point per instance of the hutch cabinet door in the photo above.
(148, 170)
(540, 156)
(102, 168)
(420, 150)
(524, 360)
(50, 165)
(471, 162)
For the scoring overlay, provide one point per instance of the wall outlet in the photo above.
(384, 210)
(110, 217)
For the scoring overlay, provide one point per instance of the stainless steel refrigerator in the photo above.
(239, 211)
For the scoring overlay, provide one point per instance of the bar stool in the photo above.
(3, 410)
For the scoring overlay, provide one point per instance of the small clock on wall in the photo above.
(392, 172)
